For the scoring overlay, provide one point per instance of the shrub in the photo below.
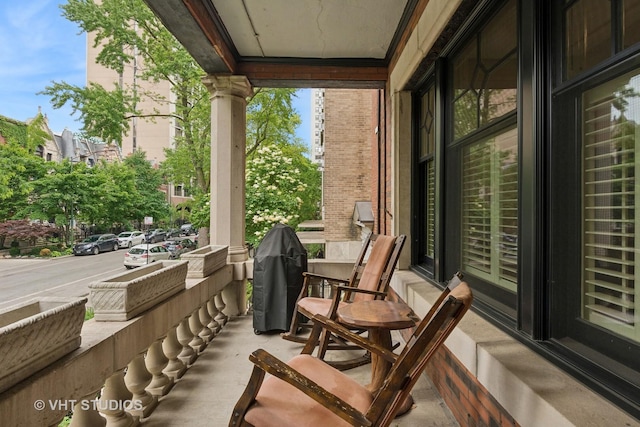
(45, 252)
(14, 251)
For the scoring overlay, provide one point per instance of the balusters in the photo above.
(112, 402)
(197, 343)
(206, 333)
(220, 305)
(85, 412)
(172, 349)
(188, 354)
(137, 379)
(213, 311)
(156, 361)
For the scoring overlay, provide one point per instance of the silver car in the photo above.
(144, 254)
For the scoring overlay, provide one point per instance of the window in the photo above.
(426, 174)
(485, 74)
(592, 32)
(485, 142)
(588, 35)
(489, 209)
(593, 192)
(611, 137)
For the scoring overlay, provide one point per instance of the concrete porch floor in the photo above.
(208, 391)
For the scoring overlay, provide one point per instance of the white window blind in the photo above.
(431, 208)
(611, 114)
(489, 209)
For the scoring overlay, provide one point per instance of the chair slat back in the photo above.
(379, 267)
(410, 364)
(358, 266)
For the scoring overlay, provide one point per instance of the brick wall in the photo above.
(348, 159)
(471, 404)
(469, 401)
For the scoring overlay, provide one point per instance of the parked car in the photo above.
(128, 239)
(173, 232)
(140, 255)
(155, 235)
(95, 244)
(179, 246)
(187, 229)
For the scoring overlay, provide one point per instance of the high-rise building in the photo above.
(317, 126)
(150, 135)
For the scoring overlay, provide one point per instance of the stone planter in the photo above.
(35, 334)
(126, 295)
(205, 260)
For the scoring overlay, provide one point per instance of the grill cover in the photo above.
(278, 264)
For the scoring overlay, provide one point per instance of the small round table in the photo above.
(379, 317)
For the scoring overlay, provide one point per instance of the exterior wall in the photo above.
(465, 395)
(348, 161)
(468, 400)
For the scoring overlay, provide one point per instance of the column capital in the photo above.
(227, 85)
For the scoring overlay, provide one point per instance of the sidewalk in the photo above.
(207, 393)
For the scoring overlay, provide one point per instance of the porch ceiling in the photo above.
(285, 43)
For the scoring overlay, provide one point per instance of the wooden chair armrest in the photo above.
(320, 322)
(337, 297)
(304, 290)
(247, 398)
(274, 366)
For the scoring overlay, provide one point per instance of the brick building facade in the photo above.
(348, 162)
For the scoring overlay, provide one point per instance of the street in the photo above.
(23, 279)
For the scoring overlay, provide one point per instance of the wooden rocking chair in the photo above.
(367, 281)
(306, 391)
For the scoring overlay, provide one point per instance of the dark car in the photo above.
(187, 229)
(95, 244)
(155, 235)
(173, 232)
(179, 246)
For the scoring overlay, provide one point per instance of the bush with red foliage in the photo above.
(23, 229)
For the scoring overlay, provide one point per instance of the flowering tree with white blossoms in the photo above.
(282, 186)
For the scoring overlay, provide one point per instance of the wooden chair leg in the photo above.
(293, 333)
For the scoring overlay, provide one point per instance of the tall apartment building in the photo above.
(317, 127)
(150, 136)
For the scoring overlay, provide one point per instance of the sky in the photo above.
(39, 46)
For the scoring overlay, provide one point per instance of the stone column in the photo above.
(228, 144)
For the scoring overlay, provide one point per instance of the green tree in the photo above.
(115, 198)
(276, 191)
(64, 194)
(147, 199)
(18, 169)
(130, 35)
(19, 166)
(271, 118)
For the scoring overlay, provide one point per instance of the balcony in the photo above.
(184, 362)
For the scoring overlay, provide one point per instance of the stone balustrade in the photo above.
(123, 367)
